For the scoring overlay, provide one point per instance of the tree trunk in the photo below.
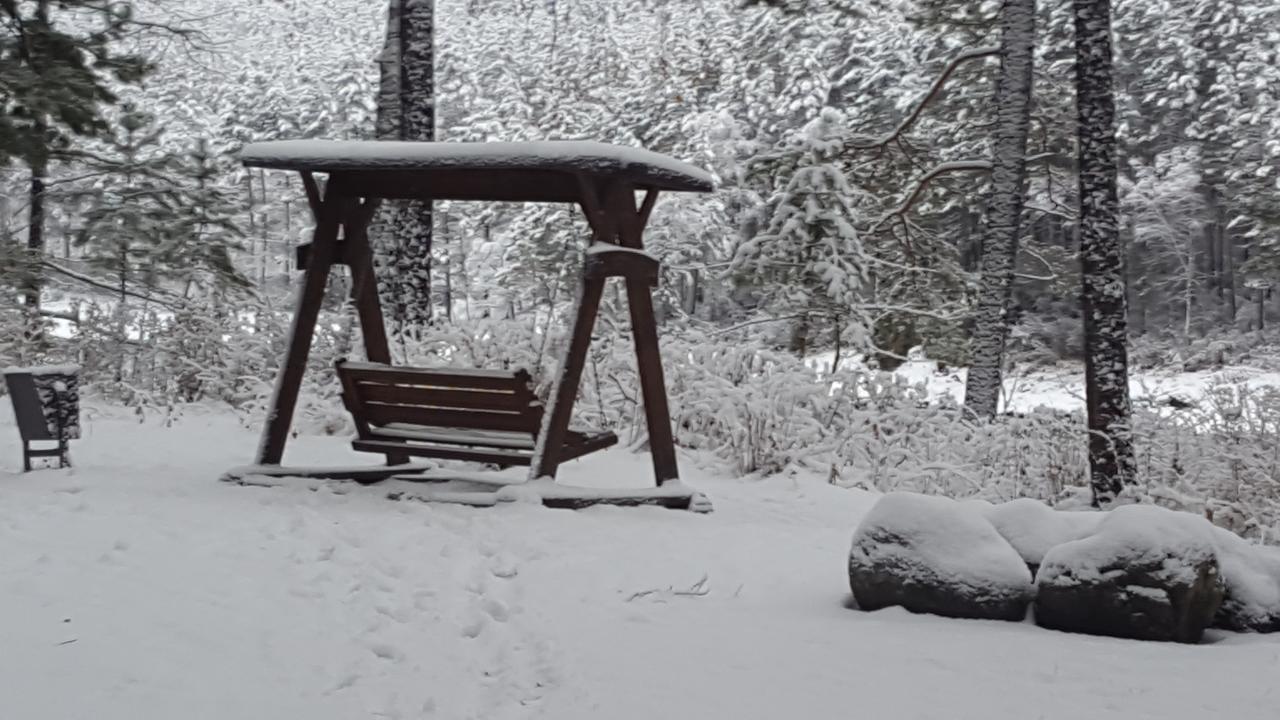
(448, 292)
(32, 279)
(799, 342)
(382, 235)
(1004, 212)
(417, 122)
(1229, 266)
(35, 235)
(1111, 460)
(692, 283)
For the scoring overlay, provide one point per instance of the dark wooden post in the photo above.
(644, 329)
(364, 286)
(358, 254)
(555, 427)
(614, 219)
(331, 213)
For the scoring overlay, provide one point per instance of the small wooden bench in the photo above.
(46, 406)
(488, 416)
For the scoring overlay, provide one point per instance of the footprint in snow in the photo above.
(496, 609)
(472, 628)
(387, 651)
(504, 568)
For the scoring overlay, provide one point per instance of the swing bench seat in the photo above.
(487, 416)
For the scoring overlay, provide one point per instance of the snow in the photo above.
(1252, 575)
(953, 540)
(137, 586)
(555, 155)
(1062, 387)
(41, 370)
(602, 248)
(1130, 536)
(1033, 528)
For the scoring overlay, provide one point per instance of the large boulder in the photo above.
(1251, 574)
(1147, 573)
(935, 555)
(1033, 528)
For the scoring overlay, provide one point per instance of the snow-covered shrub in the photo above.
(761, 410)
(156, 359)
(1220, 457)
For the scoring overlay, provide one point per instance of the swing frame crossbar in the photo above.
(603, 180)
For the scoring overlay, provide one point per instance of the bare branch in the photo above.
(934, 91)
(1051, 211)
(760, 321)
(1053, 275)
(943, 169)
(94, 282)
(921, 312)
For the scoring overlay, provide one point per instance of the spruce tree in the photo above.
(199, 253)
(130, 227)
(808, 264)
(58, 63)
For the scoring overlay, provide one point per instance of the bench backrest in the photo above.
(27, 408)
(379, 394)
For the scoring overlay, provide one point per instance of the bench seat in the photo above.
(488, 416)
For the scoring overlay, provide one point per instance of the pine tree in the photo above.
(1111, 460)
(406, 111)
(1004, 212)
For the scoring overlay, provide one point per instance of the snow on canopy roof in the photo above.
(643, 168)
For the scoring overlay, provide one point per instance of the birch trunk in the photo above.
(1111, 460)
(1004, 212)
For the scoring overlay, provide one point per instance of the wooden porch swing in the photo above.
(485, 416)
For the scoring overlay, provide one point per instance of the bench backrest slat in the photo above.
(448, 398)
(383, 414)
(427, 396)
(504, 380)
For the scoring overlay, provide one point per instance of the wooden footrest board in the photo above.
(359, 473)
(478, 489)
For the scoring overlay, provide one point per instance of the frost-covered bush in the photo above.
(157, 359)
(762, 411)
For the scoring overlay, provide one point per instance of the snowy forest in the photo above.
(905, 189)
(914, 358)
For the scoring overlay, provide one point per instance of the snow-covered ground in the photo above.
(1062, 387)
(137, 586)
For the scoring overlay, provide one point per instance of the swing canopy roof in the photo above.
(545, 171)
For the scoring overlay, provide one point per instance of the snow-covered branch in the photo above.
(94, 282)
(923, 184)
(934, 91)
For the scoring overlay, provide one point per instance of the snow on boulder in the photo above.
(1252, 577)
(935, 555)
(1033, 528)
(1148, 573)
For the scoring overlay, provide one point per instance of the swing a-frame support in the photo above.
(464, 409)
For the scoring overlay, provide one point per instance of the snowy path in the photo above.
(135, 586)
